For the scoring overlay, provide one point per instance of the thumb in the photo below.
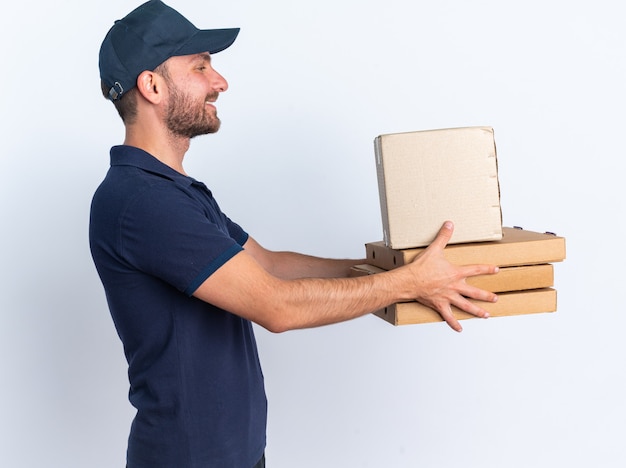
(443, 236)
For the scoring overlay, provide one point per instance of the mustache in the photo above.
(212, 96)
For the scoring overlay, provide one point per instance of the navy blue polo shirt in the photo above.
(194, 371)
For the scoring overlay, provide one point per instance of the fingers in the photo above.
(447, 314)
(460, 295)
(476, 270)
(478, 294)
(464, 304)
(445, 311)
(472, 291)
(443, 236)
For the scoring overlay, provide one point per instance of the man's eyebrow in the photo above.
(204, 56)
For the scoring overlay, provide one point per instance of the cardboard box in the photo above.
(517, 247)
(428, 177)
(508, 279)
(532, 301)
(513, 296)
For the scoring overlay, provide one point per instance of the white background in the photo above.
(311, 85)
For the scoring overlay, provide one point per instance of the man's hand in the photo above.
(441, 285)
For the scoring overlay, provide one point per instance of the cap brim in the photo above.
(209, 40)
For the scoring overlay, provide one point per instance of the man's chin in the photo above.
(213, 128)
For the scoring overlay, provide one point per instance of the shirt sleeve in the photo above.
(178, 238)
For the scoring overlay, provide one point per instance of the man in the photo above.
(184, 283)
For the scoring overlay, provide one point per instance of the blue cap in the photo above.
(147, 37)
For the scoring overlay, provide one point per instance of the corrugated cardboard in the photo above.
(517, 247)
(506, 280)
(428, 177)
(532, 301)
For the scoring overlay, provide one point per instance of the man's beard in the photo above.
(186, 118)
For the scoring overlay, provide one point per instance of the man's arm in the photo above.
(261, 291)
(292, 265)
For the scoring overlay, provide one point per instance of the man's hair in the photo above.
(127, 107)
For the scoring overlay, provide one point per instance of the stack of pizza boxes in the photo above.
(428, 177)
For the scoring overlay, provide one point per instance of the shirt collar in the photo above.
(124, 155)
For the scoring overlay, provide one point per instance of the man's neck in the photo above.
(164, 146)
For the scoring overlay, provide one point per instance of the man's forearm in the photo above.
(292, 265)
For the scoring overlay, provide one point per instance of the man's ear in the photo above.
(150, 85)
